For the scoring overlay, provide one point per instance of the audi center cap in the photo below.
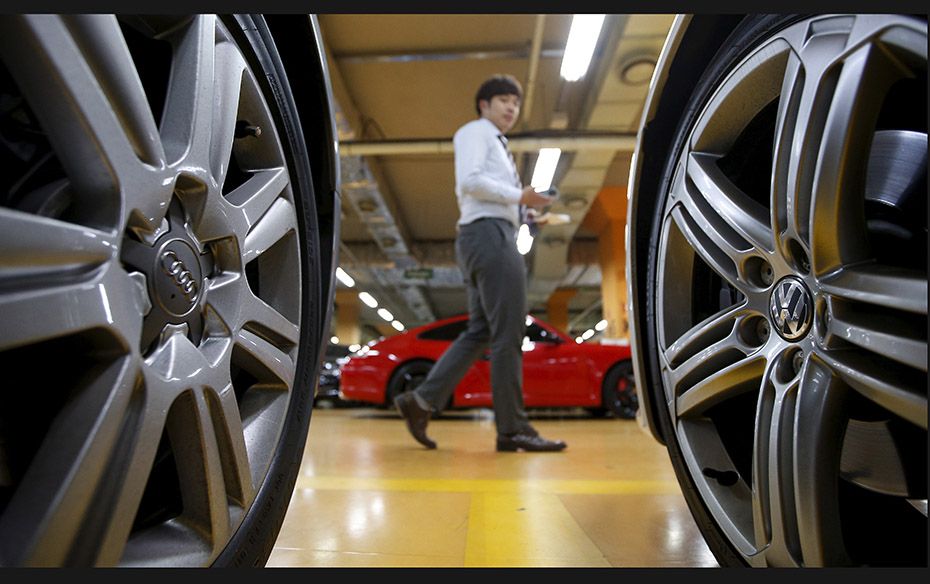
(177, 277)
(792, 308)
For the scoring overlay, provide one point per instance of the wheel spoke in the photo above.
(720, 200)
(271, 228)
(258, 194)
(264, 360)
(807, 90)
(250, 202)
(265, 320)
(109, 303)
(884, 332)
(885, 286)
(839, 234)
(79, 79)
(32, 246)
(712, 389)
(200, 471)
(230, 436)
(103, 45)
(904, 394)
(774, 514)
(712, 336)
(186, 127)
(60, 508)
(720, 260)
(229, 70)
(820, 422)
(798, 444)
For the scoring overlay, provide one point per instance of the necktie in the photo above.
(513, 162)
(516, 176)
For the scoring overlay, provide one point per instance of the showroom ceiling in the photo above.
(404, 83)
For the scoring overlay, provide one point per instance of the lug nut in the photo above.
(762, 329)
(768, 276)
(797, 361)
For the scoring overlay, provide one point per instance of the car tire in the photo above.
(619, 392)
(798, 438)
(170, 427)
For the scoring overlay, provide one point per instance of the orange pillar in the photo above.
(557, 308)
(346, 316)
(607, 218)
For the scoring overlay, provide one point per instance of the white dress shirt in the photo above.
(486, 181)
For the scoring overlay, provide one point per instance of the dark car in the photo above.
(557, 371)
(327, 391)
(168, 211)
(777, 273)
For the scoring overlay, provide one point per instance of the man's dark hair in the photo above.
(497, 85)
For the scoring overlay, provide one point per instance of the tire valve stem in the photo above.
(244, 128)
(726, 478)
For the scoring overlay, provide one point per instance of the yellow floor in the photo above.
(368, 495)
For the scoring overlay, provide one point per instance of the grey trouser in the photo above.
(495, 275)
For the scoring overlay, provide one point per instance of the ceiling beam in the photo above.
(463, 55)
(567, 141)
(535, 52)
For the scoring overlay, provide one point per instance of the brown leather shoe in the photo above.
(529, 441)
(415, 416)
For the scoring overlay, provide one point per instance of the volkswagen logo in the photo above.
(792, 308)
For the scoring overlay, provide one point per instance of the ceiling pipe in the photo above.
(568, 141)
(535, 49)
(432, 56)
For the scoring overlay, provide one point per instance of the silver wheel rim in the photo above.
(174, 286)
(824, 403)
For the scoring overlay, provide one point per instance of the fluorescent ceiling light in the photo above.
(529, 320)
(334, 340)
(383, 313)
(524, 239)
(368, 299)
(354, 348)
(579, 340)
(601, 325)
(546, 162)
(587, 334)
(582, 38)
(344, 277)
(398, 325)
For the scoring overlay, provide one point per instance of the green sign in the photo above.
(419, 273)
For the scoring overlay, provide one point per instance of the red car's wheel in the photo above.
(619, 391)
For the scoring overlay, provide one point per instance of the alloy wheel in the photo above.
(150, 290)
(794, 363)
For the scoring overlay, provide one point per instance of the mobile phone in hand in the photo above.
(552, 192)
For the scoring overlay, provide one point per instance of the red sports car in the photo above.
(557, 371)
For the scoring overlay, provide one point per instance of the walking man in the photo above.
(490, 198)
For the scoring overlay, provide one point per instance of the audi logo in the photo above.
(174, 267)
(791, 308)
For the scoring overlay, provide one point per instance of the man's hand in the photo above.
(531, 198)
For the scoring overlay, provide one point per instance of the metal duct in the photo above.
(360, 190)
